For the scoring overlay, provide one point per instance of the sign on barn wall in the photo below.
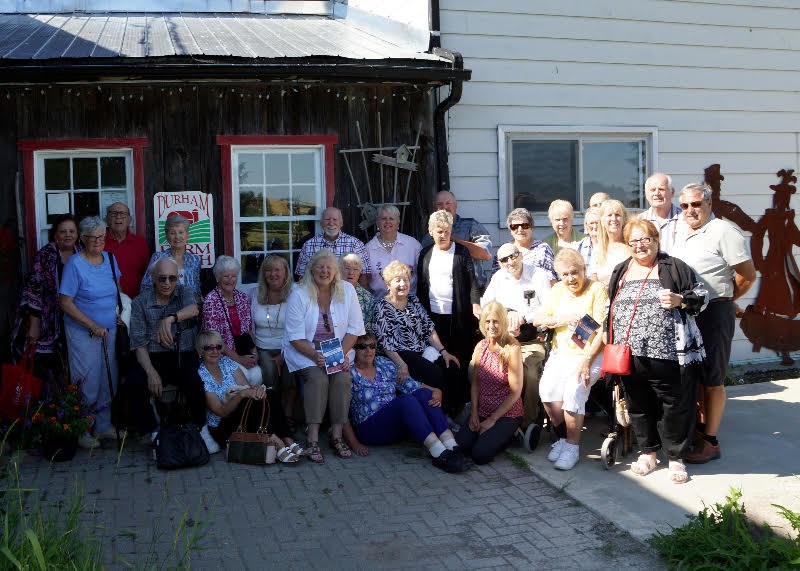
(197, 207)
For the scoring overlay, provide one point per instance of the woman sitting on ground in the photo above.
(380, 416)
(496, 407)
(226, 393)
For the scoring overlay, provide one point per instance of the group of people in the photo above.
(435, 347)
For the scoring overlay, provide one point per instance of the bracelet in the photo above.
(442, 351)
(175, 315)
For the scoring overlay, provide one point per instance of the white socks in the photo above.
(436, 449)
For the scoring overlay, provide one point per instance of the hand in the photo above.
(346, 362)
(474, 421)
(154, 383)
(486, 425)
(247, 361)
(320, 359)
(436, 398)
(258, 393)
(668, 299)
(164, 334)
(476, 310)
(402, 371)
(585, 374)
(448, 358)
(97, 331)
(739, 311)
(278, 362)
(515, 322)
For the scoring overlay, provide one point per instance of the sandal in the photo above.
(341, 448)
(677, 472)
(314, 453)
(644, 465)
(286, 456)
(295, 448)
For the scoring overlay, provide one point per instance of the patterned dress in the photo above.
(493, 386)
(401, 329)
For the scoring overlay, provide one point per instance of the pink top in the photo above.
(493, 384)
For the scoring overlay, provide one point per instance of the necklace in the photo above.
(277, 317)
(388, 245)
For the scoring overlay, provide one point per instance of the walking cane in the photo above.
(110, 386)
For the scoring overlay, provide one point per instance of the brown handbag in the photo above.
(617, 358)
(251, 447)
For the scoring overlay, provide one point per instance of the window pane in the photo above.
(543, 171)
(56, 174)
(302, 230)
(250, 264)
(278, 201)
(615, 168)
(304, 200)
(251, 201)
(250, 169)
(278, 236)
(84, 173)
(303, 168)
(57, 203)
(251, 236)
(87, 204)
(277, 168)
(112, 172)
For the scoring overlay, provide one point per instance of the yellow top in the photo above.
(593, 300)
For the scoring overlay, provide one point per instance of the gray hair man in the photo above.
(664, 215)
(130, 250)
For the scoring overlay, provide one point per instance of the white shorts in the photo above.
(561, 382)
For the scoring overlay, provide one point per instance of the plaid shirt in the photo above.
(146, 316)
(344, 244)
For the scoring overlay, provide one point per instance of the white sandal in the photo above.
(295, 448)
(286, 456)
(677, 472)
(644, 465)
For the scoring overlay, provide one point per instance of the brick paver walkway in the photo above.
(392, 510)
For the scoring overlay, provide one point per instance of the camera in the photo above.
(529, 295)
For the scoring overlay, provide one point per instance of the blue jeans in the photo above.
(405, 414)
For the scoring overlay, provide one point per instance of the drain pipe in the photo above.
(439, 128)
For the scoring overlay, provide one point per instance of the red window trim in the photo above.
(227, 141)
(28, 147)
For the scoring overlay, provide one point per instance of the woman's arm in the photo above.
(306, 349)
(402, 368)
(514, 383)
(224, 409)
(69, 308)
(474, 420)
(437, 344)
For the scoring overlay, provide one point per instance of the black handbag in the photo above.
(242, 343)
(122, 344)
(180, 447)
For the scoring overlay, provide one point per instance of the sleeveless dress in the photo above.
(492, 376)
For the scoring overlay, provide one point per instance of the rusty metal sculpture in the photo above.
(769, 322)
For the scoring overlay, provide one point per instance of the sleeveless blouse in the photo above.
(493, 384)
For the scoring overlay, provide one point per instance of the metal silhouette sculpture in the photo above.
(769, 322)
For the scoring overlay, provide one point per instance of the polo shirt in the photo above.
(667, 227)
(132, 256)
(406, 249)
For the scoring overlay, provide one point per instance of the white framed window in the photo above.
(81, 181)
(278, 196)
(538, 164)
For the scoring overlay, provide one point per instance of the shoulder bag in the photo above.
(251, 447)
(122, 345)
(180, 446)
(242, 343)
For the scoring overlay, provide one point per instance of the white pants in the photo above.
(561, 381)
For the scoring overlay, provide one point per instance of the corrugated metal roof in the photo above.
(218, 35)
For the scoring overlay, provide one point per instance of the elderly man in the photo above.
(468, 232)
(597, 199)
(534, 252)
(662, 213)
(162, 337)
(717, 251)
(130, 250)
(389, 245)
(338, 242)
(521, 289)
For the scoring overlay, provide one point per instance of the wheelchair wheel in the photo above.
(608, 452)
(532, 434)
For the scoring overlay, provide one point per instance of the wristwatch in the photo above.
(175, 315)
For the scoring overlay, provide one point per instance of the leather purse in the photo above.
(617, 357)
(180, 447)
(253, 448)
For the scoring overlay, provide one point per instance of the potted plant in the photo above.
(59, 422)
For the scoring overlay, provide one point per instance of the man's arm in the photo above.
(743, 278)
(476, 251)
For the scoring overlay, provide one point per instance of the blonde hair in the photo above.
(307, 281)
(558, 206)
(263, 289)
(205, 337)
(395, 269)
(602, 236)
(568, 257)
(440, 218)
(506, 340)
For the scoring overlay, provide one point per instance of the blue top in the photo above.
(189, 277)
(210, 385)
(368, 396)
(92, 288)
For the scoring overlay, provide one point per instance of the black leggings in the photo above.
(437, 375)
(483, 447)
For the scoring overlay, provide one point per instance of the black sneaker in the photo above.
(466, 457)
(451, 462)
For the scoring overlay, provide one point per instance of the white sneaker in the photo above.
(211, 444)
(569, 456)
(87, 441)
(555, 449)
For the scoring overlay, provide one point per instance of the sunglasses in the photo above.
(362, 346)
(212, 347)
(508, 258)
(90, 238)
(643, 241)
(325, 322)
(523, 225)
(165, 279)
(695, 204)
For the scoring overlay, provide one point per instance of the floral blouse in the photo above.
(215, 314)
(368, 396)
(367, 302)
(401, 329)
(210, 385)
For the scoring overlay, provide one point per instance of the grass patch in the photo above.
(518, 461)
(721, 537)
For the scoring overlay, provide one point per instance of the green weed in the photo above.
(518, 461)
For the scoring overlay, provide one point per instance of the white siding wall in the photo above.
(719, 80)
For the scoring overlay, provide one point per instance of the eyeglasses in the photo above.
(212, 347)
(165, 279)
(695, 204)
(117, 213)
(325, 322)
(643, 241)
(523, 225)
(90, 238)
(508, 258)
(362, 346)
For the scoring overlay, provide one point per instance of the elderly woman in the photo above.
(571, 369)
(652, 312)
(323, 307)
(381, 416)
(407, 335)
(611, 247)
(351, 265)
(226, 310)
(389, 245)
(226, 391)
(39, 319)
(88, 297)
(561, 216)
(268, 309)
(449, 293)
(176, 230)
(162, 336)
(587, 246)
(534, 252)
(496, 411)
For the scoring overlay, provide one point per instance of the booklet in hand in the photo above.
(584, 329)
(334, 355)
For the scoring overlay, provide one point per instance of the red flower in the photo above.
(51, 420)
(76, 408)
(66, 426)
(72, 388)
(52, 405)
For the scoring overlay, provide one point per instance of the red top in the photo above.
(493, 385)
(132, 256)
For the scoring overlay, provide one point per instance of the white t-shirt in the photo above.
(440, 274)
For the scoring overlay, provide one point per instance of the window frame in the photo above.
(507, 134)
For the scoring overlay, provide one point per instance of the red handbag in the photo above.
(617, 358)
(20, 387)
